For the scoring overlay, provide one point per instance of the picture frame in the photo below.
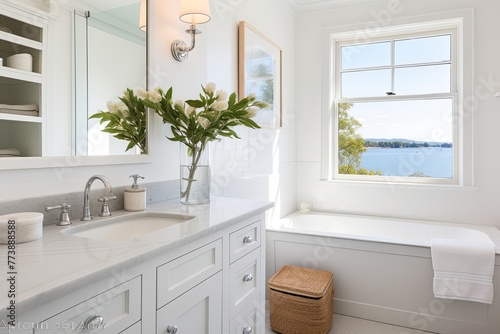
(260, 73)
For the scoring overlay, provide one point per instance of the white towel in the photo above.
(20, 112)
(463, 269)
(9, 152)
(27, 107)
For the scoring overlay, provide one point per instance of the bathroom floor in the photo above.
(349, 325)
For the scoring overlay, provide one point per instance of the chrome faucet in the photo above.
(86, 205)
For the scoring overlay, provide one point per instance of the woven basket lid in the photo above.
(301, 281)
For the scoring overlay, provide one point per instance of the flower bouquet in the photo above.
(195, 123)
(126, 120)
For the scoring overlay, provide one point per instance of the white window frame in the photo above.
(459, 25)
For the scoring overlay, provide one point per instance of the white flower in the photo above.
(221, 95)
(251, 97)
(252, 112)
(179, 105)
(154, 96)
(220, 105)
(142, 93)
(210, 87)
(117, 108)
(188, 110)
(204, 122)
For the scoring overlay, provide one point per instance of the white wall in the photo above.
(478, 204)
(270, 174)
(263, 162)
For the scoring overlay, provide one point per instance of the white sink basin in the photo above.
(126, 227)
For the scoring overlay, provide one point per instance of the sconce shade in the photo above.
(194, 11)
(143, 16)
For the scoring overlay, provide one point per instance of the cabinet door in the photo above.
(199, 310)
(134, 329)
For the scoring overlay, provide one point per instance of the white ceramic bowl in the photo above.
(27, 226)
(20, 61)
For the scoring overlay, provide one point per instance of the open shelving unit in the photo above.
(22, 32)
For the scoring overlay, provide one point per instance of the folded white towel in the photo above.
(9, 152)
(19, 112)
(19, 106)
(463, 269)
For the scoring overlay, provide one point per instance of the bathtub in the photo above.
(382, 268)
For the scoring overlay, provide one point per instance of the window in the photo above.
(395, 106)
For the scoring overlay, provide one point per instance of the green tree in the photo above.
(351, 144)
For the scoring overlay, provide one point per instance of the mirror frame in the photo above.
(16, 163)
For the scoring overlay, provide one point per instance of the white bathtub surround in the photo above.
(383, 268)
(463, 269)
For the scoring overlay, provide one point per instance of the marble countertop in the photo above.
(50, 267)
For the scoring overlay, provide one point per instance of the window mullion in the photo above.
(393, 54)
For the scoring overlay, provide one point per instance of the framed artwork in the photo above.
(259, 72)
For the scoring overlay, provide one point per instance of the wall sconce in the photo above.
(143, 16)
(193, 12)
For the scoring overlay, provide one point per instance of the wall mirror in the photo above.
(86, 53)
(110, 55)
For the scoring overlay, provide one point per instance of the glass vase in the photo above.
(194, 176)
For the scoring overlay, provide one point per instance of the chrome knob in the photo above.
(94, 322)
(171, 329)
(247, 240)
(247, 278)
(247, 330)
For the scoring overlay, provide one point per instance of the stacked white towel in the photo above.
(20, 109)
(9, 152)
(463, 269)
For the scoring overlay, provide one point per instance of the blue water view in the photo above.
(429, 161)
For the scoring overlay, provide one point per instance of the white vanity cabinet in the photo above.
(216, 288)
(22, 32)
(210, 284)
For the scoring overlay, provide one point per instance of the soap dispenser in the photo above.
(135, 197)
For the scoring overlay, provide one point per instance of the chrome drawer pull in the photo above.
(93, 322)
(247, 240)
(247, 278)
(171, 329)
(247, 330)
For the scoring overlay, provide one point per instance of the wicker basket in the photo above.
(301, 300)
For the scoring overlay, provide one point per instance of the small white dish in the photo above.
(20, 227)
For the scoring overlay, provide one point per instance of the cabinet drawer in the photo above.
(177, 276)
(251, 320)
(119, 307)
(245, 281)
(244, 240)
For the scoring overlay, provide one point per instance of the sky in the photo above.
(428, 72)
(415, 120)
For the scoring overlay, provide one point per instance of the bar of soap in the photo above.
(21, 227)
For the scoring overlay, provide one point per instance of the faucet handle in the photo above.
(105, 208)
(64, 216)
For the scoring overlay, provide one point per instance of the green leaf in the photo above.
(195, 103)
